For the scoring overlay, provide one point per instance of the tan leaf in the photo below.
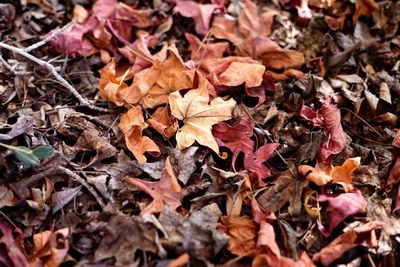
(110, 84)
(242, 232)
(163, 122)
(132, 125)
(198, 115)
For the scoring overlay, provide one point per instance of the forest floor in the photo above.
(199, 133)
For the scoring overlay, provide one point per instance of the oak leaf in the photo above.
(132, 125)
(198, 115)
(166, 191)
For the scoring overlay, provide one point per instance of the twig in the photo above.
(52, 69)
(84, 183)
(48, 38)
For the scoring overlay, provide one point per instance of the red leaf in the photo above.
(236, 138)
(201, 51)
(329, 117)
(167, 190)
(255, 161)
(341, 207)
(11, 251)
(394, 176)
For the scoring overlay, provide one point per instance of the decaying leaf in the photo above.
(199, 114)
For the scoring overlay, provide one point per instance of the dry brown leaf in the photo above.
(163, 122)
(198, 115)
(322, 174)
(50, 248)
(132, 125)
(110, 84)
(242, 232)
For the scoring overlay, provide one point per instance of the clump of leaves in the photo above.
(30, 156)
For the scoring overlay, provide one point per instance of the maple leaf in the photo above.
(166, 191)
(255, 161)
(327, 116)
(323, 174)
(236, 138)
(198, 115)
(201, 13)
(242, 232)
(132, 125)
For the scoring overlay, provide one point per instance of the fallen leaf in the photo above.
(167, 190)
(184, 162)
(12, 250)
(163, 122)
(201, 51)
(132, 125)
(341, 207)
(196, 235)
(236, 137)
(254, 162)
(62, 198)
(323, 174)
(329, 117)
(201, 13)
(242, 232)
(364, 235)
(198, 115)
(50, 248)
(111, 84)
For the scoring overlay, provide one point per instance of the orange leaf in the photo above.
(132, 125)
(323, 174)
(167, 190)
(110, 84)
(163, 122)
(242, 232)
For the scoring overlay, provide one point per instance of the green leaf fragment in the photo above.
(42, 152)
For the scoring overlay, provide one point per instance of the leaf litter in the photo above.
(199, 133)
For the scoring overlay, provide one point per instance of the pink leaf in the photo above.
(255, 161)
(341, 207)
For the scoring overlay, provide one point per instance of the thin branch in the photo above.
(48, 38)
(83, 182)
(53, 71)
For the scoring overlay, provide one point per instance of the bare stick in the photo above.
(83, 182)
(53, 71)
(48, 38)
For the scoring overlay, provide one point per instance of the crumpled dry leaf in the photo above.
(152, 86)
(12, 249)
(62, 198)
(111, 84)
(132, 125)
(7, 197)
(341, 207)
(236, 137)
(50, 248)
(323, 174)
(123, 236)
(329, 117)
(254, 162)
(184, 163)
(201, 51)
(23, 125)
(364, 235)
(233, 71)
(196, 235)
(242, 232)
(167, 190)
(199, 114)
(163, 122)
(201, 13)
